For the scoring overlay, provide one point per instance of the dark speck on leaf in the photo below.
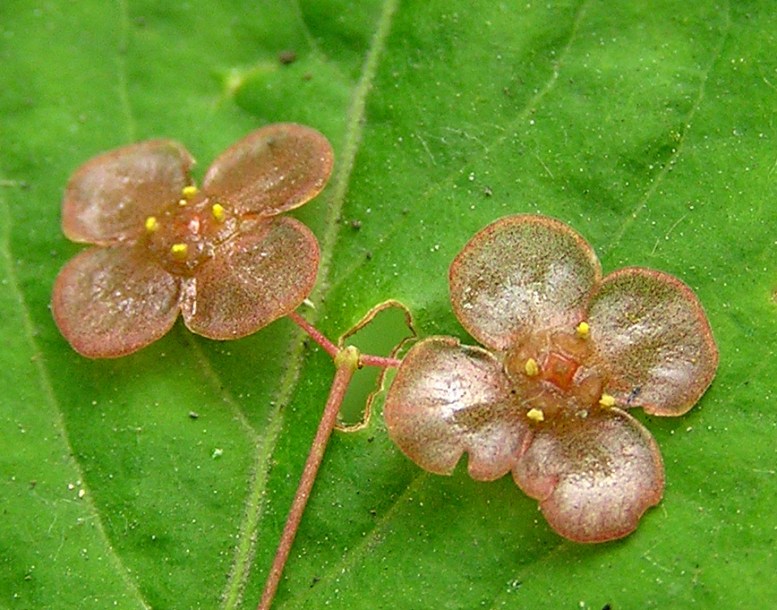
(287, 57)
(355, 224)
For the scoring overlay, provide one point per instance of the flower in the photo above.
(221, 256)
(568, 353)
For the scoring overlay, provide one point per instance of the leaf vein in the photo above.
(681, 143)
(506, 132)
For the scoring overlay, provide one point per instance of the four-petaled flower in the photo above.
(570, 351)
(221, 256)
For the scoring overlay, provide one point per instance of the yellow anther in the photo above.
(189, 191)
(583, 329)
(179, 251)
(151, 224)
(536, 415)
(531, 367)
(219, 214)
(607, 401)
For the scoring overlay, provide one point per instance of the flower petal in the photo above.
(650, 331)
(252, 280)
(109, 197)
(109, 302)
(447, 399)
(521, 274)
(594, 477)
(273, 169)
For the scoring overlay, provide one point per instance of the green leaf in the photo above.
(163, 479)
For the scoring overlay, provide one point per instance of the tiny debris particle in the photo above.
(287, 57)
(194, 415)
(81, 493)
(217, 453)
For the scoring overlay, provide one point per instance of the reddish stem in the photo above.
(347, 361)
(315, 334)
(367, 360)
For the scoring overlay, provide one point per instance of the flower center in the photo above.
(556, 376)
(559, 369)
(185, 234)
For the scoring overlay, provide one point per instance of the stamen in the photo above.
(583, 329)
(189, 191)
(219, 214)
(607, 401)
(531, 367)
(536, 415)
(151, 224)
(179, 251)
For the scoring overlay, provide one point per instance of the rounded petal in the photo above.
(519, 275)
(109, 197)
(594, 477)
(273, 169)
(650, 331)
(447, 399)
(252, 280)
(109, 302)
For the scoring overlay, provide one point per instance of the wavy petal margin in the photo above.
(594, 477)
(448, 399)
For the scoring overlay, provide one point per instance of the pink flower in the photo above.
(569, 353)
(221, 256)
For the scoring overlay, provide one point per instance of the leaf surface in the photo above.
(162, 480)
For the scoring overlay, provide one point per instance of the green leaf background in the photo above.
(649, 127)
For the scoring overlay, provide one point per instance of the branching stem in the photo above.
(347, 361)
(331, 349)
